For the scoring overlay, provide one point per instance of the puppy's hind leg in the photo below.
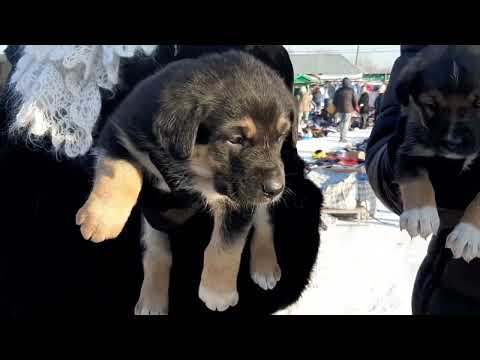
(264, 268)
(157, 261)
(115, 192)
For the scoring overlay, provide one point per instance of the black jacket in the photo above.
(345, 100)
(365, 101)
(443, 285)
(46, 267)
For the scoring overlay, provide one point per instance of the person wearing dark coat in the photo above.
(363, 104)
(345, 102)
(47, 269)
(379, 100)
(443, 285)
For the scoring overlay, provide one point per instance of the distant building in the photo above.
(326, 66)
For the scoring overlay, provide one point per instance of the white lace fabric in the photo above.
(58, 90)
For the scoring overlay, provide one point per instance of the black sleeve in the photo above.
(354, 100)
(386, 137)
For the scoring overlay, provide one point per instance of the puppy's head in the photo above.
(243, 114)
(440, 89)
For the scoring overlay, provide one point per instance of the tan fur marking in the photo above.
(454, 103)
(202, 165)
(417, 193)
(283, 125)
(263, 258)
(115, 192)
(472, 213)
(221, 262)
(248, 126)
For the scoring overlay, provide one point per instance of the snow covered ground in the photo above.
(362, 268)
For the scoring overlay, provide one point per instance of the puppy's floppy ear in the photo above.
(407, 79)
(403, 92)
(405, 83)
(176, 131)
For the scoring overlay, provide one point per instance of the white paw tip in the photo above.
(267, 281)
(217, 301)
(423, 221)
(144, 308)
(464, 242)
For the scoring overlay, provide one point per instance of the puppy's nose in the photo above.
(272, 188)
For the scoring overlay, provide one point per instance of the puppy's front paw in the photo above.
(215, 300)
(265, 272)
(101, 220)
(151, 305)
(464, 241)
(423, 221)
(267, 281)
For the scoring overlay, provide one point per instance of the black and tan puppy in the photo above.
(212, 127)
(440, 94)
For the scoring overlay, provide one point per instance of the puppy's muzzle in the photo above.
(272, 188)
(273, 184)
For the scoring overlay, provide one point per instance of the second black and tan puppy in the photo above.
(440, 94)
(212, 127)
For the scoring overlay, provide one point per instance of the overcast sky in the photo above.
(382, 55)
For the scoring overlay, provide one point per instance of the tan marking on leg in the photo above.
(203, 167)
(420, 214)
(283, 125)
(115, 192)
(472, 213)
(201, 163)
(157, 261)
(264, 268)
(417, 192)
(218, 285)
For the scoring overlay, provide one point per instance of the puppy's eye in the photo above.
(236, 140)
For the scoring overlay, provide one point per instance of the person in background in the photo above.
(364, 105)
(326, 95)
(358, 89)
(305, 104)
(345, 103)
(318, 96)
(379, 99)
(329, 94)
(330, 90)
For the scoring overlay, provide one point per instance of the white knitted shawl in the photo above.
(57, 92)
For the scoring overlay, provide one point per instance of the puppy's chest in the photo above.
(167, 210)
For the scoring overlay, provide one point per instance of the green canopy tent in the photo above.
(376, 77)
(305, 80)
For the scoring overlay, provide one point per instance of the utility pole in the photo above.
(356, 56)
